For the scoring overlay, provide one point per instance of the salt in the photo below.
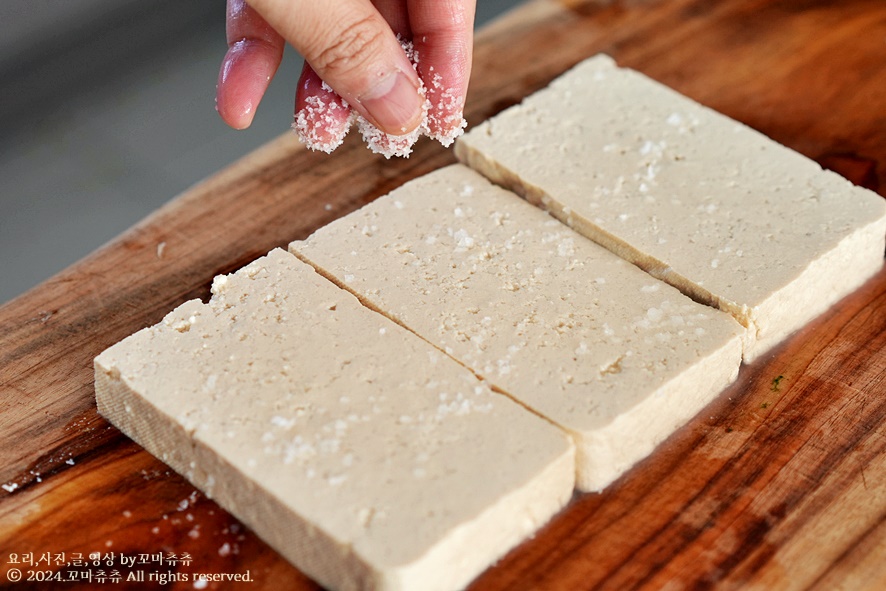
(323, 124)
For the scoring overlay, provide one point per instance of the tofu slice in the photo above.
(707, 204)
(615, 357)
(362, 454)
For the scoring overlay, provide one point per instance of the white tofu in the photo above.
(707, 204)
(613, 356)
(358, 451)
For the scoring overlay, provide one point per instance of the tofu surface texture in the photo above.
(614, 356)
(699, 200)
(363, 455)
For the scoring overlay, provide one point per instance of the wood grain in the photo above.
(781, 483)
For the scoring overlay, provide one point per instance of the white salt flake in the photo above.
(463, 240)
(336, 480)
(319, 125)
(566, 247)
(282, 422)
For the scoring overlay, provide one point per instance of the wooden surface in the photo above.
(780, 484)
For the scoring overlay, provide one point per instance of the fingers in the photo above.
(443, 33)
(395, 14)
(322, 118)
(350, 46)
(254, 54)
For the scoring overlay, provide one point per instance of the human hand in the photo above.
(352, 46)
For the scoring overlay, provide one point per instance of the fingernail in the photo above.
(394, 105)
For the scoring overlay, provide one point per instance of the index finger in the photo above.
(443, 36)
(254, 53)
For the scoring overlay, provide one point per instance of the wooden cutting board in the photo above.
(779, 484)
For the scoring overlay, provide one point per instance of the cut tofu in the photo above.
(707, 204)
(615, 357)
(362, 454)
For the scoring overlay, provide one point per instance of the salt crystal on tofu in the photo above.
(323, 426)
(616, 358)
(703, 202)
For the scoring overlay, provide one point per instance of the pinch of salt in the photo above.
(441, 120)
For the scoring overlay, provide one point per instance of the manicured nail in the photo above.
(394, 105)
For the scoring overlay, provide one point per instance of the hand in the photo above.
(353, 62)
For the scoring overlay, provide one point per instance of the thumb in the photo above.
(351, 47)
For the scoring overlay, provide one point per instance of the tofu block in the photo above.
(709, 205)
(359, 452)
(615, 357)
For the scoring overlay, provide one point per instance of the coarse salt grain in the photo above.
(319, 124)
